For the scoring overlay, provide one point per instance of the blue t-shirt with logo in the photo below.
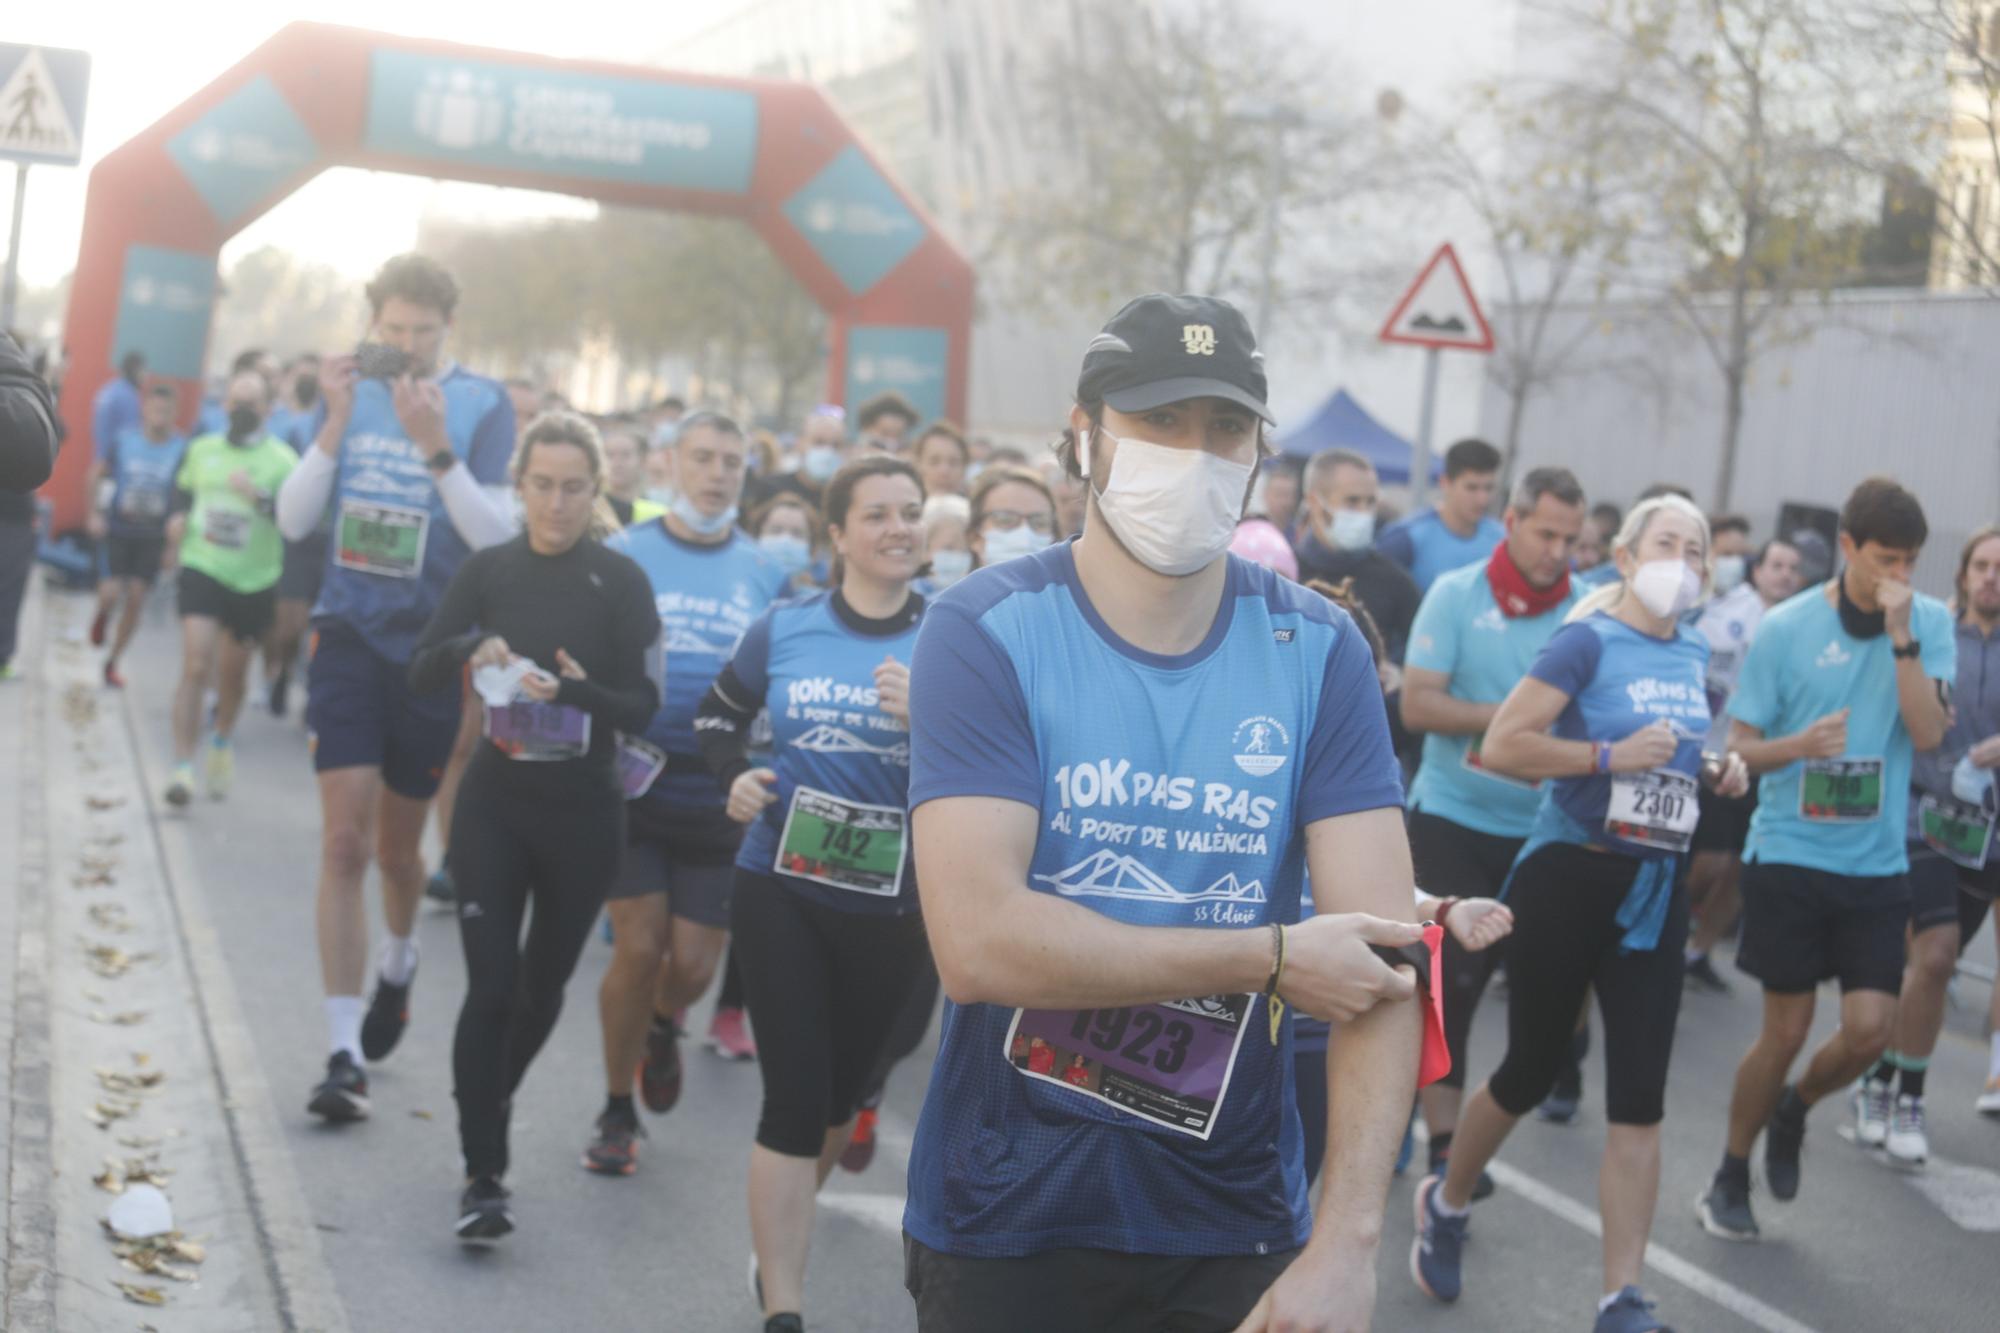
(295, 426)
(707, 597)
(1461, 633)
(1168, 791)
(142, 474)
(813, 669)
(394, 547)
(1804, 665)
(1619, 680)
(1425, 546)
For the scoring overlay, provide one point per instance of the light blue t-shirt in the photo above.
(811, 664)
(707, 597)
(1802, 666)
(142, 473)
(295, 426)
(1427, 548)
(1461, 633)
(394, 547)
(1619, 680)
(1168, 791)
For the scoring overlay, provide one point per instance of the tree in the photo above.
(274, 300)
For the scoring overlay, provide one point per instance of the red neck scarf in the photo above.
(1516, 596)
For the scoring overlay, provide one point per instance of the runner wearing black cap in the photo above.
(1110, 854)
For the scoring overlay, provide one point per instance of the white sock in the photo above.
(399, 960)
(343, 1024)
(1444, 1209)
(1605, 1303)
(1993, 1061)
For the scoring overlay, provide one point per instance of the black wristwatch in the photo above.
(1910, 649)
(441, 462)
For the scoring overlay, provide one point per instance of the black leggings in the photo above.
(503, 852)
(825, 989)
(1565, 944)
(1453, 861)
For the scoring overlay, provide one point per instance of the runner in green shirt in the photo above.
(230, 556)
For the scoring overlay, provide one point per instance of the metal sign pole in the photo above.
(1420, 452)
(10, 284)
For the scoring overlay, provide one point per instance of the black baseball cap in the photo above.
(1167, 349)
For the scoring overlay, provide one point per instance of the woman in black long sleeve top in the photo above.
(551, 830)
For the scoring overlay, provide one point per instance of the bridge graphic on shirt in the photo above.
(1107, 874)
(829, 739)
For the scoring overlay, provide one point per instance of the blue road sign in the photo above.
(42, 91)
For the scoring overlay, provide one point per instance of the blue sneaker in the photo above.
(1629, 1312)
(1434, 1255)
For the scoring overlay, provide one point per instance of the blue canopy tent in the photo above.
(1342, 423)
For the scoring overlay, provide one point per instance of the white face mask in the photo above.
(948, 567)
(1005, 545)
(1729, 571)
(1175, 510)
(1666, 587)
(1352, 529)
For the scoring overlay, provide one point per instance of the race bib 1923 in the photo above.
(1840, 791)
(1168, 1063)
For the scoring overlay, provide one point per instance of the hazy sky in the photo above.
(146, 58)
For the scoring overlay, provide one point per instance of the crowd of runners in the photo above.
(1212, 802)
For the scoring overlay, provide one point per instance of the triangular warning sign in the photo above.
(1439, 310)
(32, 117)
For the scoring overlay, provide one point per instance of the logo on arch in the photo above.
(1261, 746)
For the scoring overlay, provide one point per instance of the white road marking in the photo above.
(882, 1211)
(1968, 1195)
(893, 1137)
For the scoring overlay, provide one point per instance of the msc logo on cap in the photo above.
(1260, 744)
(1199, 339)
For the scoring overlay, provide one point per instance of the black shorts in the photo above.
(1085, 1291)
(362, 714)
(1725, 821)
(689, 855)
(135, 557)
(305, 569)
(246, 615)
(1943, 893)
(1804, 926)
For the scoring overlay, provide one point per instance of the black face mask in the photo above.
(1859, 624)
(243, 423)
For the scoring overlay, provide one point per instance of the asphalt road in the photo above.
(1864, 1247)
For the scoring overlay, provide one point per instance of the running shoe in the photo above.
(1440, 1242)
(439, 888)
(1783, 1139)
(1724, 1211)
(112, 680)
(1483, 1190)
(1701, 975)
(860, 1149)
(1988, 1102)
(1872, 1103)
(98, 625)
(221, 768)
(343, 1094)
(1564, 1100)
(1908, 1142)
(388, 1014)
(483, 1214)
(728, 1035)
(660, 1071)
(787, 1322)
(180, 787)
(1629, 1312)
(614, 1149)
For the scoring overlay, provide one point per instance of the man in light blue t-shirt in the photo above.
(1476, 634)
(1842, 685)
(1457, 531)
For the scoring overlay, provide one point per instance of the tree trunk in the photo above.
(1517, 408)
(1732, 428)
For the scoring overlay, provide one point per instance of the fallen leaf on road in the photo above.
(420, 1115)
(110, 961)
(103, 1113)
(129, 1018)
(94, 879)
(104, 802)
(140, 1142)
(141, 1295)
(111, 917)
(117, 1080)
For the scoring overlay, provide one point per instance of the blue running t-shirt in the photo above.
(1846, 816)
(1169, 791)
(1427, 548)
(1461, 633)
(394, 547)
(142, 473)
(835, 751)
(707, 596)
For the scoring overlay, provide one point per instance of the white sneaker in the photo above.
(1872, 1105)
(1907, 1142)
(1989, 1100)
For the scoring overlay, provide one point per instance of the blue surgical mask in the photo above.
(948, 567)
(788, 551)
(697, 522)
(820, 463)
(1008, 543)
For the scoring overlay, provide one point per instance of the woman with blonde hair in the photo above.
(1612, 715)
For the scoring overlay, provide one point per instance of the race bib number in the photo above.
(843, 844)
(1475, 762)
(538, 732)
(1656, 808)
(142, 504)
(1840, 791)
(1168, 1063)
(1958, 832)
(226, 529)
(380, 539)
(640, 763)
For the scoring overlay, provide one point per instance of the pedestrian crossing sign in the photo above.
(42, 92)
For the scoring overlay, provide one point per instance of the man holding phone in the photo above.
(412, 458)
